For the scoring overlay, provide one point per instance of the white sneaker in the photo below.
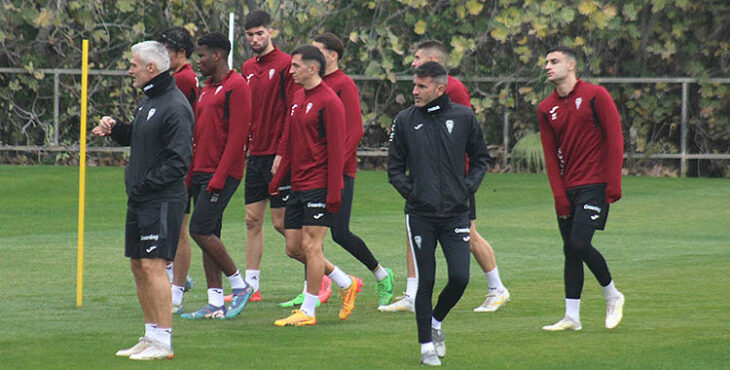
(430, 358)
(565, 324)
(141, 345)
(439, 341)
(177, 310)
(614, 311)
(494, 301)
(155, 351)
(402, 304)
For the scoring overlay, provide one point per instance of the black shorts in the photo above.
(589, 206)
(258, 177)
(187, 203)
(207, 217)
(472, 208)
(152, 229)
(307, 208)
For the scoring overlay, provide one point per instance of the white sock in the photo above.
(380, 273)
(425, 347)
(610, 291)
(164, 336)
(493, 280)
(572, 309)
(177, 295)
(435, 324)
(236, 280)
(148, 329)
(340, 278)
(252, 279)
(170, 269)
(411, 287)
(309, 306)
(215, 297)
(304, 291)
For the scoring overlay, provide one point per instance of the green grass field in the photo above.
(667, 244)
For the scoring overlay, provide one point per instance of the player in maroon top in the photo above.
(583, 143)
(311, 150)
(332, 48)
(180, 47)
(271, 86)
(222, 116)
(435, 51)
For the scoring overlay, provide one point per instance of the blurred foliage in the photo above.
(504, 39)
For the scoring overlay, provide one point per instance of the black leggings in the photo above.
(453, 234)
(341, 233)
(578, 249)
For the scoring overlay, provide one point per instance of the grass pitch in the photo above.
(667, 244)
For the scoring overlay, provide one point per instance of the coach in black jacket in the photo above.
(160, 150)
(427, 165)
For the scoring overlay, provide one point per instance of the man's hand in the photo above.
(275, 165)
(105, 126)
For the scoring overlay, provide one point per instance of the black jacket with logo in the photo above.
(427, 158)
(160, 140)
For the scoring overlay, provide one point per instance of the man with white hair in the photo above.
(160, 151)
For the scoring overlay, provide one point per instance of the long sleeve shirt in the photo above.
(346, 89)
(582, 141)
(187, 83)
(313, 144)
(272, 89)
(222, 118)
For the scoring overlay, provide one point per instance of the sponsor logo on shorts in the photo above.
(418, 241)
(149, 237)
(318, 216)
(591, 208)
(150, 249)
(461, 230)
(316, 205)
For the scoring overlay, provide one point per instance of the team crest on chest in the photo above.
(151, 113)
(449, 125)
(271, 73)
(309, 106)
(577, 103)
(218, 90)
(553, 115)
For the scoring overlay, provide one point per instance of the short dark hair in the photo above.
(434, 70)
(311, 53)
(433, 44)
(178, 38)
(216, 40)
(257, 18)
(332, 43)
(570, 53)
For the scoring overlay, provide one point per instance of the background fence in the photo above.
(500, 127)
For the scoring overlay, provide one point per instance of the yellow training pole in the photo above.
(82, 174)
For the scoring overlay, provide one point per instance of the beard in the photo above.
(262, 48)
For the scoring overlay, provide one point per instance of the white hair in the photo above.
(153, 52)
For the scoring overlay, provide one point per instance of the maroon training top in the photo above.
(583, 142)
(346, 89)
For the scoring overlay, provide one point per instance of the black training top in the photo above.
(160, 140)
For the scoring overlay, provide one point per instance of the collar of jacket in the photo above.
(157, 84)
(437, 105)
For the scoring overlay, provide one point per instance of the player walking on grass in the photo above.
(312, 151)
(223, 113)
(332, 49)
(498, 295)
(429, 143)
(160, 151)
(267, 74)
(180, 47)
(581, 136)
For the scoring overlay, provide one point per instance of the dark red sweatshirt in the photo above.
(187, 82)
(312, 145)
(272, 88)
(346, 89)
(583, 142)
(222, 118)
(457, 92)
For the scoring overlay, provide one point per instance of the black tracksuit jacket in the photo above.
(160, 140)
(427, 158)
